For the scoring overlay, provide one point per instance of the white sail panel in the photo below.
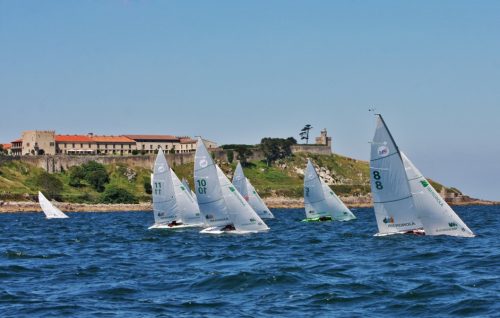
(437, 217)
(338, 210)
(314, 197)
(208, 189)
(392, 199)
(164, 202)
(187, 206)
(240, 181)
(243, 216)
(51, 212)
(257, 203)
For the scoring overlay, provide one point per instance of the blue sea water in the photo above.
(110, 265)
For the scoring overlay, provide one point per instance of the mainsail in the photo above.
(247, 190)
(186, 184)
(320, 200)
(208, 190)
(436, 215)
(164, 203)
(392, 198)
(51, 212)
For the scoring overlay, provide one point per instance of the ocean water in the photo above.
(110, 265)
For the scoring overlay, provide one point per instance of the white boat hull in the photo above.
(169, 227)
(218, 230)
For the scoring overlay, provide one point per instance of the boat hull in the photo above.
(168, 227)
(218, 230)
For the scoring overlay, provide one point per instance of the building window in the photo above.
(73, 145)
(51, 144)
(114, 146)
(122, 148)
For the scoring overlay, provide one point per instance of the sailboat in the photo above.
(222, 206)
(51, 212)
(173, 206)
(247, 190)
(321, 203)
(404, 201)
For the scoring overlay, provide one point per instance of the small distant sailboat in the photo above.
(404, 201)
(247, 190)
(51, 212)
(321, 203)
(173, 206)
(223, 207)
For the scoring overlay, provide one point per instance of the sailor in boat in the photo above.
(325, 218)
(174, 223)
(228, 228)
(415, 232)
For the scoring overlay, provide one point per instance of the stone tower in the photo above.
(323, 139)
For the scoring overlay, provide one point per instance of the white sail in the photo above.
(186, 184)
(244, 218)
(436, 215)
(164, 203)
(208, 190)
(247, 190)
(392, 199)
(320, 200)
(51, 212)
(188, 207)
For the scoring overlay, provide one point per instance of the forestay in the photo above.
(436, 215)
(247, 190)
(392, 199)
(51, 212)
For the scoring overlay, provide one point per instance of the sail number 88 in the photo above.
(378, 183)
(202, 186)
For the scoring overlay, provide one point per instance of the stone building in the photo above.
(38, 142)
(17, 147)
(323, 145)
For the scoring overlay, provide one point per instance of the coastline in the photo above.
(271, 202)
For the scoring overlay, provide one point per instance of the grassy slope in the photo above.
(282, 179)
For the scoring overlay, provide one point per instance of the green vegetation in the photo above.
(276, 148)
(20, 181)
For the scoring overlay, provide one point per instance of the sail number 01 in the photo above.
(202, 186)
(378, 183)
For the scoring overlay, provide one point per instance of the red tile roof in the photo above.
(17, 140)
(111, 139)
(73, 138)
(153, 137)
(187, 141)
(7, 146)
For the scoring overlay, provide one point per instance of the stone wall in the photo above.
(59, 162)
(316, 149)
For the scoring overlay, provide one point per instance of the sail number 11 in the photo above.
(378, 183)
(202, 186)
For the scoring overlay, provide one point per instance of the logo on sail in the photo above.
(388, 220)
(452, 224)
(161, 169)
(424, 183)
(203, 163)
(383, 151)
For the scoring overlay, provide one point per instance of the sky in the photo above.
(237, 71)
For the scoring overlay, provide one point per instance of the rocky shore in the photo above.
(272, 202)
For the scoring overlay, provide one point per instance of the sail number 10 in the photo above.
(202, 186)
(378, 183)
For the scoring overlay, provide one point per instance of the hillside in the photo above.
(348, 177)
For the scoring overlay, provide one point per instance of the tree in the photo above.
(76, 176)
(230, 155)
(147, 185)
(276, 148)
(2, 150)
(135, 152)
(243, 154)
(49, 185)
(96, 175)
(304, 133)
(115, 194)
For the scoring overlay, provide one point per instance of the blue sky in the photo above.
(237, 71)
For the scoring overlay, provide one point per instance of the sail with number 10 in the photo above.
(223, 207)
